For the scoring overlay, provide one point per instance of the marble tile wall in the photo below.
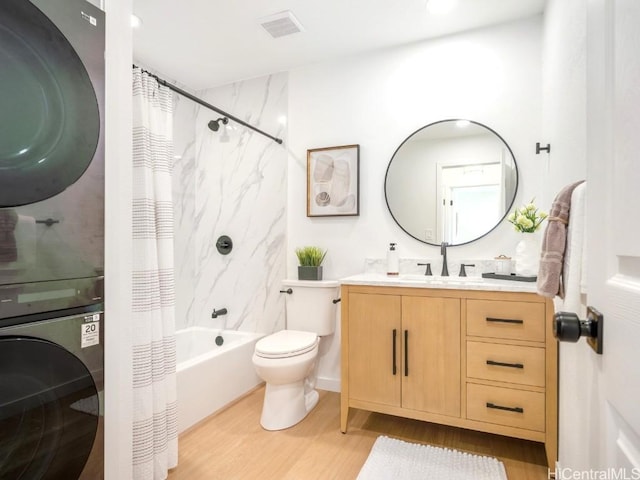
(232, 182)
(184, 193)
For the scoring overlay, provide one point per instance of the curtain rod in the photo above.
(207, 105)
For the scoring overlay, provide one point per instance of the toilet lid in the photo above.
(286, 343)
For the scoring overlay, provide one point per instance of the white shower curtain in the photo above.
(155, 434)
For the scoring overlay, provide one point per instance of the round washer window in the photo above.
(49, 410)
(49, 117)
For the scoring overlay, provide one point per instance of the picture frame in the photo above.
(333, 181)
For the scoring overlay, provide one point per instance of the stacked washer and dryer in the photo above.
(51, 240)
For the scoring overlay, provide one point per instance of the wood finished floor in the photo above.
(232, 445)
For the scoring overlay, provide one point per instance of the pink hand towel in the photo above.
(554, 243)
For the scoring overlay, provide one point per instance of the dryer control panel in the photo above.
(32, 298)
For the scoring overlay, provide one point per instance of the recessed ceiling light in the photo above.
(136, 21)
(440, 6)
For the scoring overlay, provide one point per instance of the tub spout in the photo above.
(217, 313)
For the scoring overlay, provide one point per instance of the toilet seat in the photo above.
(286, 343)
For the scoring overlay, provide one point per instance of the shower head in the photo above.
(214, 125)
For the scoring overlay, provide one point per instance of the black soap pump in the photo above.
(392, 260)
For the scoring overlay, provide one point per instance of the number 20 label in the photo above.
(90, 332)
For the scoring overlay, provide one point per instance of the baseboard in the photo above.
(329, 384)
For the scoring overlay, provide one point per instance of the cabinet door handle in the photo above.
(508, 409)
(406, 353)
(503, 364)
(393, 360)
(504, 320)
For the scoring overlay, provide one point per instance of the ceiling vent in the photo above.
(281, 24)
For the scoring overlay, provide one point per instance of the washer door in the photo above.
(49, 117)
(49, 411)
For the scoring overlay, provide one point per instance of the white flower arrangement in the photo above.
(527, 219)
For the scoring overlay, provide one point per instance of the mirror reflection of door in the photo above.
(471, 207)
(472, 195)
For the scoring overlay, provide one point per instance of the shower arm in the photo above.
(207, 105)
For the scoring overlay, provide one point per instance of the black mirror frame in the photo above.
(515, 192)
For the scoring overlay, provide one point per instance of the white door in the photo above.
(613, 231)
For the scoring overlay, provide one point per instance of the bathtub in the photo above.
(209, 376)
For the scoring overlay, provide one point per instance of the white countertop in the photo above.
(452, 282)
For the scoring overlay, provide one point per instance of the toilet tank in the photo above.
(310, 306)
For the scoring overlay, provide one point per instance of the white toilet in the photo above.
(286, 360)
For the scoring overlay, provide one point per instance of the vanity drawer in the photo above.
(506, 406)
(506, 363)
(511, 320)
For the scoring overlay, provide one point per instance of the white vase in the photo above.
(528, 255)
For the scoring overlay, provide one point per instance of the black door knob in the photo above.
(567, 327)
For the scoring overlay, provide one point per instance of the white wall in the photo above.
(118, 173)
(564, 120)
(492, 76)
(564, 95)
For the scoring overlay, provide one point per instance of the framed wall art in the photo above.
(333, 178)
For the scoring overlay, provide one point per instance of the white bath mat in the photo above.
(394, 459)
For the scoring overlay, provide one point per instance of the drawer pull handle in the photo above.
(393, 362)
(406, 353)
(504, 320)
(503, 364)
(508, 409)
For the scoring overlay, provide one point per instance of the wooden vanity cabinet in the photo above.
(431, 355)
(399, 346)
(482, 360)
(374, 324)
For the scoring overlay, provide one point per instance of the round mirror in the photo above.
(452, 181)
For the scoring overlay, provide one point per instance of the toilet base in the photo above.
(286, 405)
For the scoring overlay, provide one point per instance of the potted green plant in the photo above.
(527, 220)
(310, 260)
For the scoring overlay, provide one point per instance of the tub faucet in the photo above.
(217, 313)
(443, 252)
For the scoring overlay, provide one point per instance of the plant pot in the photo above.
(310, 273)
(528, 255)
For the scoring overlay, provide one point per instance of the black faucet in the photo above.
(428, 269)
(463, 272)
(443, 252)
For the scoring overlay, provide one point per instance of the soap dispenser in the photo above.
(392, 260)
